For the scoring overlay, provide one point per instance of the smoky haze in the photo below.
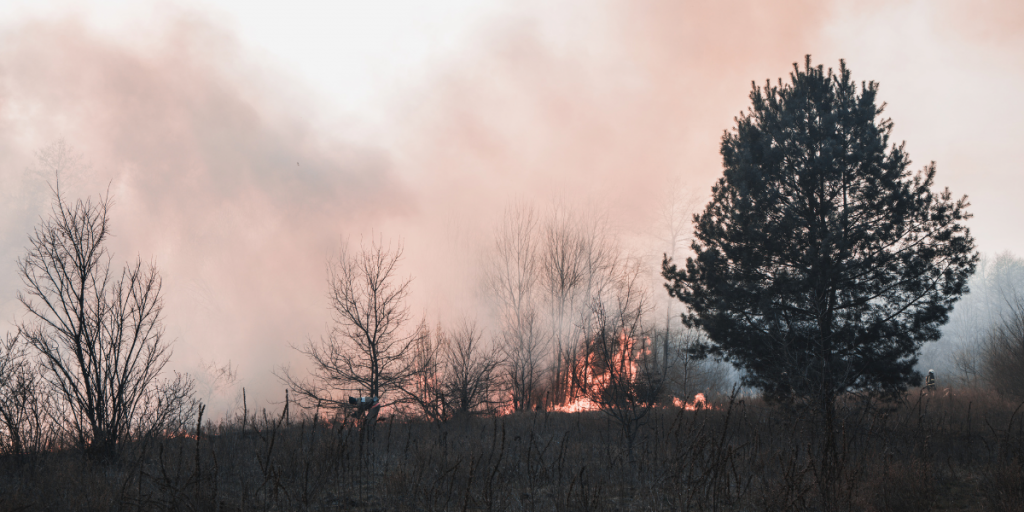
(239, 181)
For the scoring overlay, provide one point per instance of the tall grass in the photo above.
(950, 450)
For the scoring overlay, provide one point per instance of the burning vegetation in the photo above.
(835, 423)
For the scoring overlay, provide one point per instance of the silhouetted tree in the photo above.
(622, 376)
(451, 373)
(426, 386)
(470, 372)
(26, 405)
(576, 254)
(367, 350)
(821, 264)
(99, 332)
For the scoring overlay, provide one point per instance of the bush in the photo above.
(1003, 353)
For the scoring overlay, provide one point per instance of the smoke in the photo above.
(239, 181)
(606, 108)
(221, 172)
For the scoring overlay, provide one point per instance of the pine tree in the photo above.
(822, 264)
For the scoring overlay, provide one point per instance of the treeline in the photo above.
(575, 330)
(983, 344)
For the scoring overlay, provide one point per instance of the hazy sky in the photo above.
(244, 142)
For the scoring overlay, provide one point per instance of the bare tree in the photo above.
(451, 374)
(367, 350)
(676, 228)
(25, 402)
(99, 332)
(997, 284)
(600, 254)
(513, 279)
(470, 372)
(1002, 358)
(625, 382)
(967, 363)
(685, 374)
(563, 269)
(426, 386)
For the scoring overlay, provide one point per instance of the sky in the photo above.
(244, 143)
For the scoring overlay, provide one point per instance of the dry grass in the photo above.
(945, 451)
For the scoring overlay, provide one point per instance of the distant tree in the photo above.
(687, 374)
(26, 404)
(512, 279)
(470, 372)
(575, 256)
(821, 264)
(452, 374)
(1002, 352)
(425, 388)
(621, 375)
(996, 285)
(367, 351)
(562, 267)
(98, 332)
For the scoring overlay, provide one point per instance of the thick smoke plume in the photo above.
(239, 183)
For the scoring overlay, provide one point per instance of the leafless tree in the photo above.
(452, 374)
(562, 266)
(676, 227)
(967, 365)
(25, 402)
(601, 259)
(367, 350)
(99, 332)
(997, 284)
(626, 383)
(425, 388)
(686, 374)
(1002, 359)
(575, 255)
(470, 372)
(523, 354)
(512, 279)
(168, 407)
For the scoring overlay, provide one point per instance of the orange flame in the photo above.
(595, 375)
(699, 402)
(594, 379)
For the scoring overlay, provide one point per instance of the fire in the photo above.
(579, 405)
(699, 402)
(591, 374)
(178, 434)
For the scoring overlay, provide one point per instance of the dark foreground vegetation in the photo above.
(959, 450)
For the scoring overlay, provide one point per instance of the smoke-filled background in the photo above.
(244, 144)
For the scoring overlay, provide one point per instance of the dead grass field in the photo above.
(952, 450)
